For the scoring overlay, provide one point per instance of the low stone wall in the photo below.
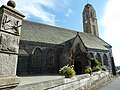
(80, 82)
(8, 82)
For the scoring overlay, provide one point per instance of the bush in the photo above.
(88, 70)
(94, 62)
(67, 71)
(97, 68)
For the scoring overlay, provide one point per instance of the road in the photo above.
(114, 85)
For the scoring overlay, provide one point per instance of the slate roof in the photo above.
(23, 52)
(32, 31)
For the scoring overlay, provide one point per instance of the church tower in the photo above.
(89, 20)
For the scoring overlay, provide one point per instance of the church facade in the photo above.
(44, 49)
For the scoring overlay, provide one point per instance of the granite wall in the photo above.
(80, 82)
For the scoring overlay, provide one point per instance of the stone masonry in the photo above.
(10, 27)
(80, 82)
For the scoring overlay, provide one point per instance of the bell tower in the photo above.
(89, 20)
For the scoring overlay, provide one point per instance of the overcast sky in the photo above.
(68, 14)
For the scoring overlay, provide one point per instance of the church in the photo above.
(44, 49)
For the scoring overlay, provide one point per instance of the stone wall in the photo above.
(26, 51)
(94, 52)
(80, 82)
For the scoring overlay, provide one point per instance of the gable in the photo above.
(78, 44)
(94, 42)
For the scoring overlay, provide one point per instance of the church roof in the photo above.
(23, 52)
(32, 31)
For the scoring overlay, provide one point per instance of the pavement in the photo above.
(114, 85)
(35, 79)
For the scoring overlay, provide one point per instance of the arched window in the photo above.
(85, 16)
(37, 57)
(90, 55)
(98, 57)
(105, 59)
(50, 58)
(92, 15)
(87, 30)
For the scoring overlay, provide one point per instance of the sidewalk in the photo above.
(34, 79)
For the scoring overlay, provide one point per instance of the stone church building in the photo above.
(44, 49)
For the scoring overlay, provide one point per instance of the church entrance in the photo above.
(77, 68)
(77, 63)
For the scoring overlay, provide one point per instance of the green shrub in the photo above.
(97, 68)
(67, 71)
(94, 62)
(88, 70)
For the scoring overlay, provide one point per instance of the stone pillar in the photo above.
(10, 29)
(113, 66)
(101, 54)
